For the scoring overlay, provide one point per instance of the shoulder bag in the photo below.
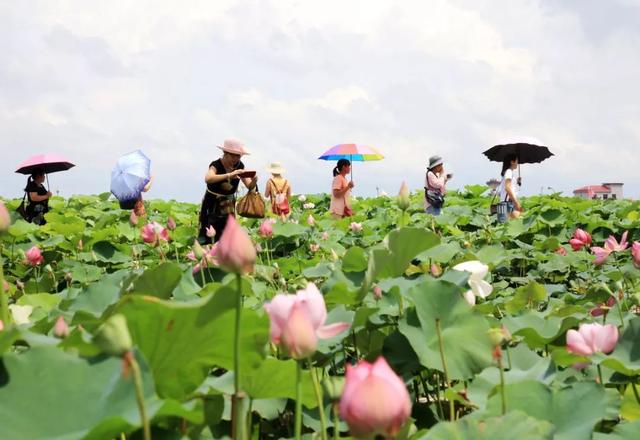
(434, 196)
(251, 205)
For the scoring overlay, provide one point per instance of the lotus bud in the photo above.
(377, 292)
(435, 269)
(34, 256)
(113, 336)
(496, 335)
(171, 224)
(266, 229)
(311, 221)
(325, 235)
(68, 277)
(5, 219)
(235, 251)
(403, 197)
(198, 251)
(80, 245)
(61, 329)
(133, 219)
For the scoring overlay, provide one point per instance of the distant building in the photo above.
(603, 192)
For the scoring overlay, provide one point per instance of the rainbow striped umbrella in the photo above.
(360, 153)
(353, 152)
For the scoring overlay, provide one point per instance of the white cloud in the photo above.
(94, 80)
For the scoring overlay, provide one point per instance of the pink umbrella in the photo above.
(48, 163)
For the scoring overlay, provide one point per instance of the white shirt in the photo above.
(503, 189)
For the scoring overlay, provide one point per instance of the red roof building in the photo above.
(604, 191)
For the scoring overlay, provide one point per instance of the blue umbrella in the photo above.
(129, 177)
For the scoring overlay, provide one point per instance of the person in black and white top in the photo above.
(509, 206)
(38, 197)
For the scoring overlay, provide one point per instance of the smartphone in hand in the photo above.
(245, 174)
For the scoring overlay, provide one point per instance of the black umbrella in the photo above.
(525, 152)
(47, 163)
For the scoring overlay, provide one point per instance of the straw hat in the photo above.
(434, 161)
(233, 146)
(276, 168)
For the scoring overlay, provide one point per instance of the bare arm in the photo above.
(36, 198)
(512, 195)
(267, 189)
(213, 177)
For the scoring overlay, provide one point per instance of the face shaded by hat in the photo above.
(434, 161)
(233, 146)
(276, 168)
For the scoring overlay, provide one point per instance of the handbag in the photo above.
(21, 209)
(434, 196)
(251, 205)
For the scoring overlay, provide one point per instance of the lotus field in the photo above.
(391, 323)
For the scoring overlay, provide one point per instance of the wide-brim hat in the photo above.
(434, 161)
(233, 146)
(276, 168)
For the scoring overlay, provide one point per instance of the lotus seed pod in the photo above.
(113, 336)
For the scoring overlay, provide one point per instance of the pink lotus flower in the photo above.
(561, 251)
(5, 219)
(592, 338)
(1, 325)
(210, 231)
(635, 252)
(375, 400)
(355, 227)
(171, 224)
(34, 256)
(266, 229)
(235, 251)
(325, 235)
(297, 321)
(377, 292)
(610, 245)
(580, 239)
(310, 220)
(603, 308)
(153, 233)
(61, 329)
(314, 247)
(133, 219)
(436, 270)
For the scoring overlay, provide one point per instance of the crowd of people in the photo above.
(224, 175)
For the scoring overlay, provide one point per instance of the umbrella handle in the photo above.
(48, 186)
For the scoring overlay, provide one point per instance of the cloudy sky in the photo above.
(93, 80)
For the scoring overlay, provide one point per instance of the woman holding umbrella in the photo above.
(340, 206)
(38, 197)
(223, 179)
(509, 205)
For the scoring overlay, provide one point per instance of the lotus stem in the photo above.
(4, 303)
(452, 414)
(503, 397)
(238, 420)
(336, 422)
(137, 379)
(298, 419)
(635, 392)
(318, 393)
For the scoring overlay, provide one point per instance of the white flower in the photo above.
(382, 194)
(355, 227)
(479, 287)
(21, 313)
(302, 198)
(309, 205)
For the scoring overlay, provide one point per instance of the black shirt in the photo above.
(36, 188)
(224, 187)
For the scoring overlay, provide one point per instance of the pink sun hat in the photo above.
(233, 146)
